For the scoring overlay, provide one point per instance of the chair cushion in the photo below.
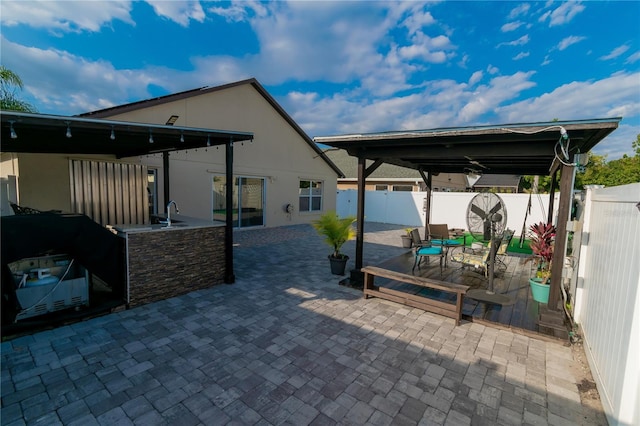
(439, 242)
(426, 251)
(476, 260)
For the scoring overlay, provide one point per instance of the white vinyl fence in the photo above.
(407, 208)
(607, 304)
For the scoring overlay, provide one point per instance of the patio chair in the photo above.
(423, 249)
(438, 231)
(480, 261)
(501, 254)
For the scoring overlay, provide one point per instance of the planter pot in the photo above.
(539, 291)
(406, 241)
(338, 264)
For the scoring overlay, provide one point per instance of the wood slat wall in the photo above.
(109, 193)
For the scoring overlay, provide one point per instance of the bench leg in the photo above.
(459, 301)
(368, 283)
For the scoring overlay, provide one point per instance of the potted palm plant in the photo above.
(406, 238)
(336, 231)
(542, 240)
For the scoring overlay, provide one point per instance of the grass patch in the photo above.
(514, 245)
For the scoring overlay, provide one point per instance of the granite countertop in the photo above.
(178, 222)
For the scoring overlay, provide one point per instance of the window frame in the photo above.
(310, 197)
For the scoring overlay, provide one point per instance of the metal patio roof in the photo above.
(522, 149)
(41, 133)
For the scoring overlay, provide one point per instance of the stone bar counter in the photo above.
(163, 262)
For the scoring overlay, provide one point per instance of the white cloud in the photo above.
(615, 53)
(511, 26)
(64, 83)
(568, 41)
(65, 17)
(633, 58)
(521, 55)
(563, 14)
(609, 97)
(518, 42)
(519, 10)
(487, 98)
(475, 77)
(492, 69)
(430, 49)
(239, 11)
(180, 12)
(418, 20)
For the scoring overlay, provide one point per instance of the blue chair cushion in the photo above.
(426, 251)
(439, 242)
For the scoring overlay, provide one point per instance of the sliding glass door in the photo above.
(248, 200)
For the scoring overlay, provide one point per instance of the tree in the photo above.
(598, 171)
(10, 82)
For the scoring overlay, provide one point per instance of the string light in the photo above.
(113, 134)
(68, 134)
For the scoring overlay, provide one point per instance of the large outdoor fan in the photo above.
(487, 216)
(485, 209)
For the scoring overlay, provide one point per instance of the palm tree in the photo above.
(9, 82)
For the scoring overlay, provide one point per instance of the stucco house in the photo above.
(280, 178)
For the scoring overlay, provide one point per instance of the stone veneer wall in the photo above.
(169, 263)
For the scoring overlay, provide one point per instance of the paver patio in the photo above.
(286, 345)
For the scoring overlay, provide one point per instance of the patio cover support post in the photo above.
(552, 194)
(165, 184)
(564, 210)
(428, 180)
(360, 212)
(229, 277)
(357, 277)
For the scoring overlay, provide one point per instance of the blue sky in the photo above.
(341, 67)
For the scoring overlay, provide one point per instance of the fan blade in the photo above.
(494, 209)
(477, 210)
(475, 162)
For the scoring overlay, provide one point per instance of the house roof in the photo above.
(495, 181)
(41, 133)
(524, 148)
(120, 109)
(349, 166)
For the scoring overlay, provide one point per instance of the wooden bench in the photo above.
(431, 305)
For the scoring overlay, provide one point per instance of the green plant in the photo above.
(542, 241)
(335, 230)
(408, 231)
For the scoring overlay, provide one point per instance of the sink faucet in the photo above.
(169, 211)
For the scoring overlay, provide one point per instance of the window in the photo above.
(310, 196)
(382, 187)
(408, 188)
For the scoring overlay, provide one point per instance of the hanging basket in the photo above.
(539, 290)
